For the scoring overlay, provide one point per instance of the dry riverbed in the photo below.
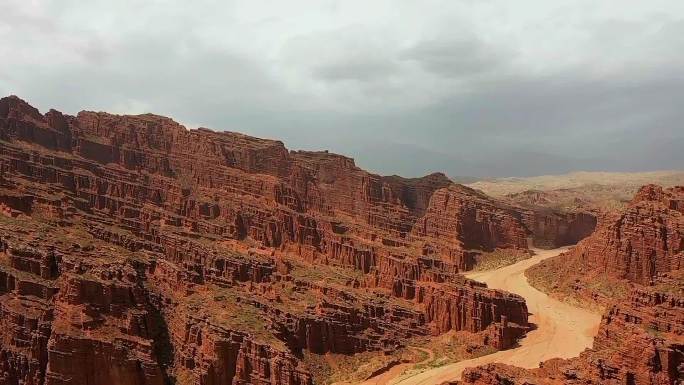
(562, 330)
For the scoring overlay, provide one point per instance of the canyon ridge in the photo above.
(135, 251)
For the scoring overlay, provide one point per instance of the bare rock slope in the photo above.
(632, 266)
(135, 251)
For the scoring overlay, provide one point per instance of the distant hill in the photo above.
(586, 190)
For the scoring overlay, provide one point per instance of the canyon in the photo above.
(631, 268)
(561, 330)
(136, 251)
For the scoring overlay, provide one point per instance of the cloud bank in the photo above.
(483, 88)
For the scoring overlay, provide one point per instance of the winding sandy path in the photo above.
(397, 370)
(562, 330)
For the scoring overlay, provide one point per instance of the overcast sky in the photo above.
(470, 87)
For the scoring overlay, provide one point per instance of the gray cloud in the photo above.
(469, 88)
(456, 57)
(355, 68)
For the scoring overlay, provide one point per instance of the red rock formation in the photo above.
(459, 218)
(143, 221)
(641, 337)
(639, 343)
(554, 229)
(643, 242)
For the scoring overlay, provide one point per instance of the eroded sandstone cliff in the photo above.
(632, 265)
(640, 342)
(135, 251)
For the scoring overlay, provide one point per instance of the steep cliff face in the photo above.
(164, 254)
(553, 229)
(643, 245)
(644, 242)
(27, 285)
(460, 218)
(636, 256)
(640, 342)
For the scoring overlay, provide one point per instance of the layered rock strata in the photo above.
(152, 254)
(641, 337)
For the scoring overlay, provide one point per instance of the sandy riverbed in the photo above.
(562, 330)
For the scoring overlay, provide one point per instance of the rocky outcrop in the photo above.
(25, 331)
(458, 218)
(641, 337)
(207, 353)
(486, 309)
(553, 229)
(639, 343)
(642, 243)
(150, 253)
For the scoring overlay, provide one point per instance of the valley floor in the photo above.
(562, 330)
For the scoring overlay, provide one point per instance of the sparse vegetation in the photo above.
(355, 368)
(226, 307)
(575, 284)
(499, 258)
(577, 190)
(449, 348)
